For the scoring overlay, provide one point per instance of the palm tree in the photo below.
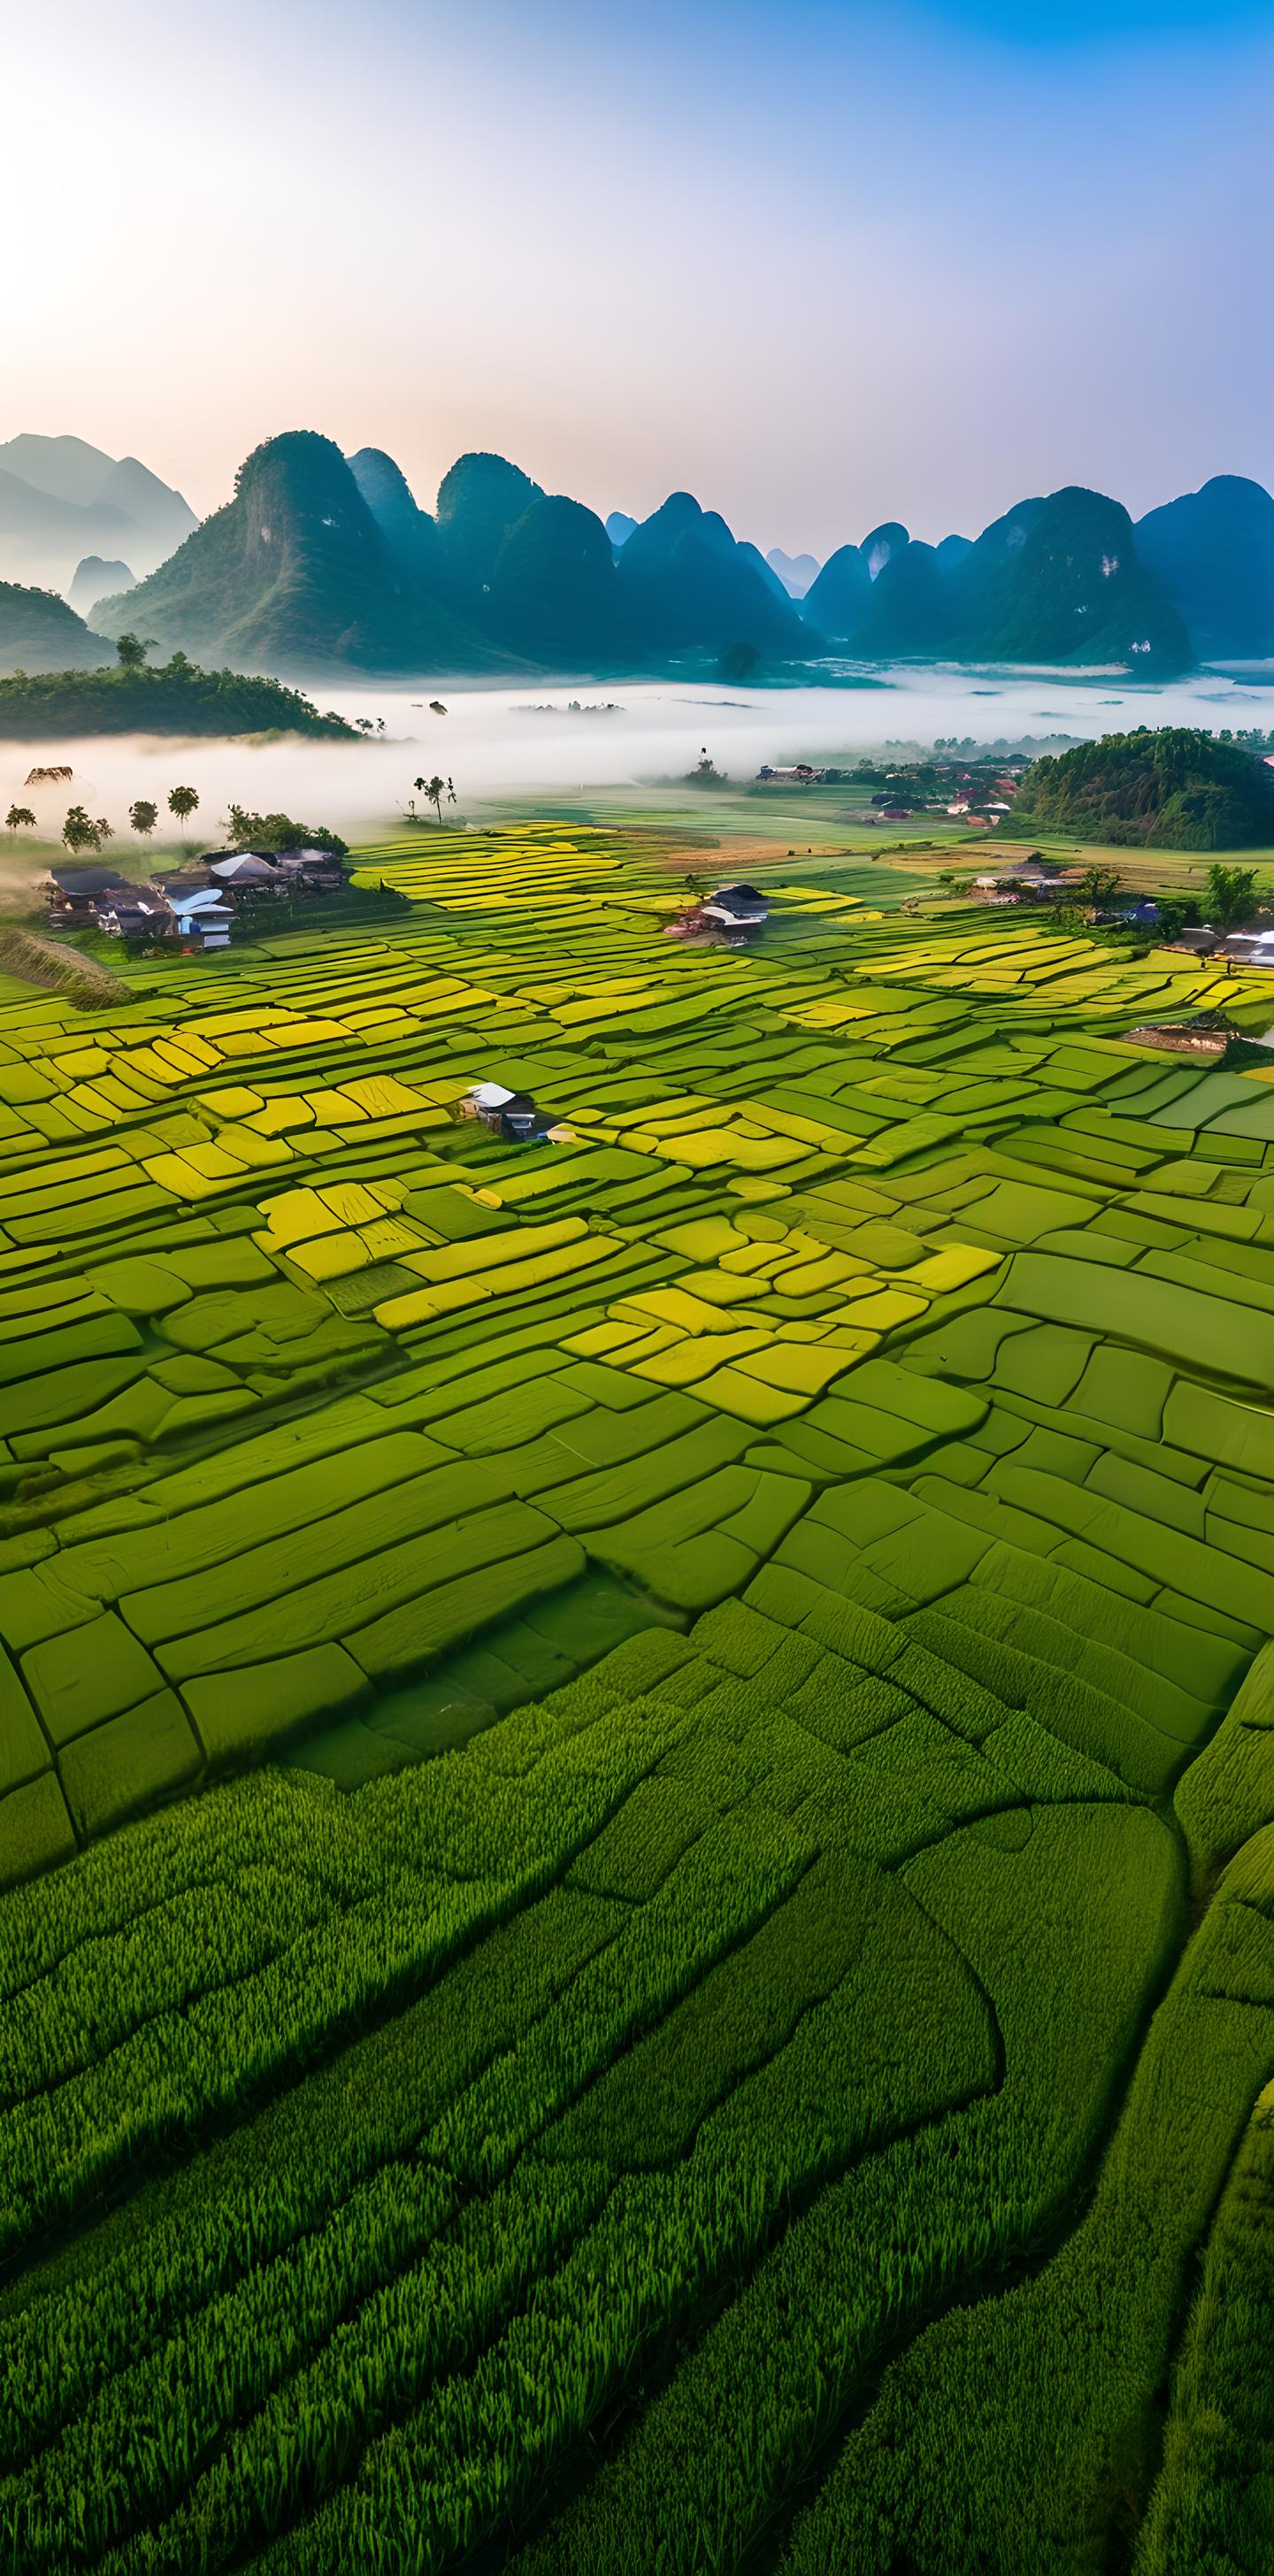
(19, 817)
(435, 791)
(143, 817)
(183, 801)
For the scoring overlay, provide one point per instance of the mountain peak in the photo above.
(96, 579)
(295, 574)
(796, 572)
(480, 499)
(1213, 550)
(66, 468)
(409, 532)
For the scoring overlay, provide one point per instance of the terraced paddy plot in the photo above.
(636, 1776)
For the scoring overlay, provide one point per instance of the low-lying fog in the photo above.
(528, 740)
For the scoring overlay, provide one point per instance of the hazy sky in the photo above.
(822, 263)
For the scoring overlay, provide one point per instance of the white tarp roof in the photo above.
(490, 1095)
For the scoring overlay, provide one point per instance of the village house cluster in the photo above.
(971, 804)
(1025, 881)
(1239, 947)
(195, 906)
(980, 802)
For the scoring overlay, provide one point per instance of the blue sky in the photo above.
(822, 263)
(1068, 22)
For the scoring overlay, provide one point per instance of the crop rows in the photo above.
(744, 2007)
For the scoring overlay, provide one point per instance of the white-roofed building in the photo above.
(202, 916)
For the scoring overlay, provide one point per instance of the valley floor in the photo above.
(638, 1774)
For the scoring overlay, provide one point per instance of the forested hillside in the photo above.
(1174, 789)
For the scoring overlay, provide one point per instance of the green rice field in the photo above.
(637, 1775)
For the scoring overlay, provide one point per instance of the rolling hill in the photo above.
(39, 632)
(1173, 789)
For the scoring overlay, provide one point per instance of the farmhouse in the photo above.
(736, 907)
(731, 915)
(202, 918)
(519, 1118)
(1249, 947)
(134, 912)
(286, 873)
(511, 1114)
(1238, 947)
(244, 870)
(1006, 889)
(310, 871)
(74, 894)
(192, 877)
(485, 1101)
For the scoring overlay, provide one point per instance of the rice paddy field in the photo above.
(638, 1774)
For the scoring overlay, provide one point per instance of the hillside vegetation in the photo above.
(643, 1766)
(295, 574)
(1174, 789)
(1052, 582)
(173, 697)
(39, 632)
(324, 561)
(1214, 552)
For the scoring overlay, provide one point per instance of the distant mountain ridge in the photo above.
(1053, 582)
(322, 561)
(294, 574)
(796, 572)
(61, 500)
